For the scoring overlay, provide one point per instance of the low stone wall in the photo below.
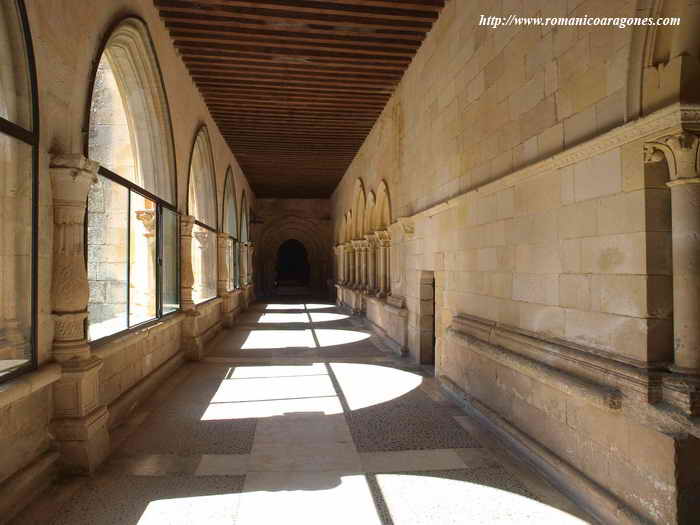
(132, 358)
(582, 428)
(387, 316)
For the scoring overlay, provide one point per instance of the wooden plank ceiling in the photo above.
(296, 85)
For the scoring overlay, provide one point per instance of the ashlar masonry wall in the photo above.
(522, 180)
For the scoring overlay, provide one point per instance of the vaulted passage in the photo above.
(349, 261)
(292, 264)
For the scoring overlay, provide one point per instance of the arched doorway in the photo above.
(293, 271)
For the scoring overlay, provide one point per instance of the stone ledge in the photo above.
(554, 360)
(29, 383)
(25, 485)
(593, 498)
(636, 381)
(598, 395)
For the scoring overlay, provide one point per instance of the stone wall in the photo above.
(67, 37)
(515, 162)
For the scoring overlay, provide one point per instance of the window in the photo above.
(230, 214)
(18, 191)
(132, 224)
(201, 203)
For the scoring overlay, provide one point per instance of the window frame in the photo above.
(160, 205)
(130, 186)
(30, 138)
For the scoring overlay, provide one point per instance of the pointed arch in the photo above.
(128, 120)
(229, 211)
(358, 209)
(244, 224)
(382, 209)
(201, 191)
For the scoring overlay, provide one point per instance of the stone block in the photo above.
(575, 291)
(578, 220)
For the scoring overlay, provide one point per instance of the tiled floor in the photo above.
(299, 417)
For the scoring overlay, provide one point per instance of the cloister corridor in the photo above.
(300, 415)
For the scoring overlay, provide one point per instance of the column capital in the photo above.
(186, 225)
(681, 154)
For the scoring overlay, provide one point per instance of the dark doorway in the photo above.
(292, 264)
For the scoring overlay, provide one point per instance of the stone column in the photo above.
(371, 263)
(681, 153)
(364, 251)
(224, 247)
(356, 254)
(147, 284)
(80, 421)
(186, 273)
(244, 264)
(383, 263)
(193, 350)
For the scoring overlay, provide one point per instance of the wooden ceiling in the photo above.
(296, 85)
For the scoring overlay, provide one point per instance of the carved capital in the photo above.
(148, 219)
(680, 152)
(186, 225)
(71, 178)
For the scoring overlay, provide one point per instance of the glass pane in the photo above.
(15, 254)
(107, 257)
(171, 300)
(203, 264)
(142, 260)
(15, 88)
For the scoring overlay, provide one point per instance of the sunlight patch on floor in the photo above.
(213, 510)
(330, 337)
(367, 385)
(414, 499)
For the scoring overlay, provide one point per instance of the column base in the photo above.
(84, 442)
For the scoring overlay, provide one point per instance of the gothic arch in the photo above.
(229, 208)
(382, 209)
(127, 78)
(201, 191)
(358, 209)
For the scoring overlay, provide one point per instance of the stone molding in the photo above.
(596, 394)
(642, 390)
(672, 119)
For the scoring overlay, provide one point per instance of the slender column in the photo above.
(80, 422)
(225, 251)
(356, 251)
(365, 265)
(371, 263)
(244, 264)
(224, 269)
(144, 280)
(681, 154)
(383, 240)
(186, 272)
(347, 275)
